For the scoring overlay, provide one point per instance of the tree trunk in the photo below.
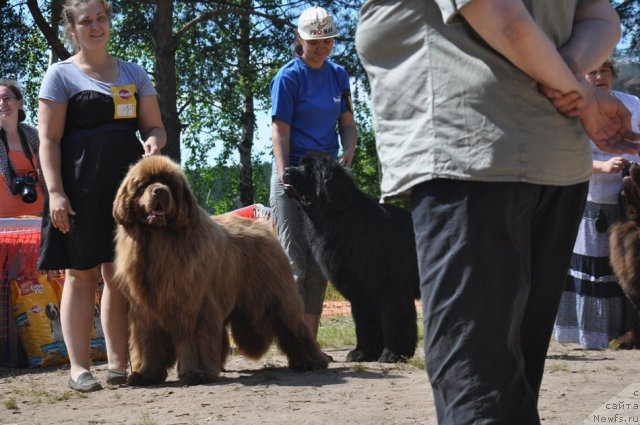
(56, 16)
(47, 30)
(164, 51)
(248, 112)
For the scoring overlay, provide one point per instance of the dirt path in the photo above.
(576, 383)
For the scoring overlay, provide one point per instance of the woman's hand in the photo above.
(614, 165)
(347, 158)
(151, 147)
(59, 211)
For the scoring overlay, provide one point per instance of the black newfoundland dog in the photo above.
(368, 252)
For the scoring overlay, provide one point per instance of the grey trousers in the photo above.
(312, 283)
(493, 259)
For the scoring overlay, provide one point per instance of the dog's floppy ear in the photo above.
(186, 203)
(122, 206)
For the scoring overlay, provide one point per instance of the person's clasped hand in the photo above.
(604, 118)
(607, 122)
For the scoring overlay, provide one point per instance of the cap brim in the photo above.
(322, 37)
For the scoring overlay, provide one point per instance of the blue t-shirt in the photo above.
(310, 101)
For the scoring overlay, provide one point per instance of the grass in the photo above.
(11, 404)
(34, 394)
(359, 367)
(559, 367)
(415, 362)
(339, 331)
(145, 419)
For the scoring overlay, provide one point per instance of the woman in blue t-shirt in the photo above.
(310, 98)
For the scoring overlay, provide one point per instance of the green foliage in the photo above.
(365, 164)
(214, 186)
(261, 181)
(628, 53)
(629, 12)
(24, 54)
(211, 185)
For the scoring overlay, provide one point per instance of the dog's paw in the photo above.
(194, 378)
(305, 365)
(628, 341)
(356, 356)
(389, 356)
(137, 379)
(327, 357)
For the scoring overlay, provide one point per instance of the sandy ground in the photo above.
(577, 382)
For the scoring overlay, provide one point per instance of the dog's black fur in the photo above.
(368, 252)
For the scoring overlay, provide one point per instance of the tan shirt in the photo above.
(446, 105)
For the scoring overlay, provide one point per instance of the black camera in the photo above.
(25, 186)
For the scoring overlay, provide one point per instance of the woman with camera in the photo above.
(22, 194)
(593, 309)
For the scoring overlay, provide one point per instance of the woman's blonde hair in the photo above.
(69, 11)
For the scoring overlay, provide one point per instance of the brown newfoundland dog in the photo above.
(187, 276)
(624, 244)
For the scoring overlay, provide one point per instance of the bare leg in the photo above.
(114, 310)
(76, 316)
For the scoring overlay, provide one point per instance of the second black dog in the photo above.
(367, 250)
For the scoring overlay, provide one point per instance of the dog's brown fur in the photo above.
(187, 276)
(624, 243)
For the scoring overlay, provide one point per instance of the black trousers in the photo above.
(493, 259)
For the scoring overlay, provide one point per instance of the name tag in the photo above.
(124, 101)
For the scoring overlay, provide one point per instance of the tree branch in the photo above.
(237, 10)
(46, 30)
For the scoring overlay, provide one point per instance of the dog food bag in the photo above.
(37, 314)
(57, 281)
(97, 345)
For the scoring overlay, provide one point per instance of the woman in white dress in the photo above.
(593, 309)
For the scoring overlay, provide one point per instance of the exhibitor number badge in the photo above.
(124, 101)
